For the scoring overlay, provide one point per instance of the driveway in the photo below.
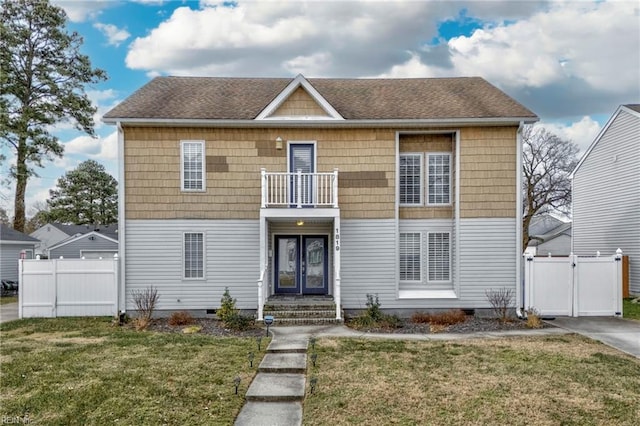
(619, 333)
(8, 312)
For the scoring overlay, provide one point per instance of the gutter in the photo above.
(271, 123)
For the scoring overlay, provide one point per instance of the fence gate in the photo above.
(574, 285)
(68, 288)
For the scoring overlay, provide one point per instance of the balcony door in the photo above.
(301, 158)
(301, 264)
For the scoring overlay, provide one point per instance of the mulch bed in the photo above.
(214, 327)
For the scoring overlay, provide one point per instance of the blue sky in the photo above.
(571, 62)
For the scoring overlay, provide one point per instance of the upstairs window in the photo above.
(193, 255)
(193, 166)
(410, 179)
(439, 179)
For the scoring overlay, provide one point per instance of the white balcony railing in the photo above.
(298, 190)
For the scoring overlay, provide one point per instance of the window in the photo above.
(194, 255)
(410, 268)
(410, 179)
(193, 169)
(439, 179)
(439, 256)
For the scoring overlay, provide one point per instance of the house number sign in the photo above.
(337, 239)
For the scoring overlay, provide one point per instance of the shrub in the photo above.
(145, 301)
(501, 300)
(227, 306)
(447, 318)
(239, 322)
(533, 318)
(180, 318)
(373, 308)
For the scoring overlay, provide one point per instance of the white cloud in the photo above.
(582, 132)
(588, 41)
(310, 65)
(82, 10)
(101, 148)
(114, 35)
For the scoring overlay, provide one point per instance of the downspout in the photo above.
(458, 279)
(519, 254)
(121, 223)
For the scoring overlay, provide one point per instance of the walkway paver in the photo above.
(284, 363)
(270, 413)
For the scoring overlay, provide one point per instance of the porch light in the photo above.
(300, 222)
(278, 142)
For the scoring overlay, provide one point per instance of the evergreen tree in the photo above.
(86, 195)
(42, 81)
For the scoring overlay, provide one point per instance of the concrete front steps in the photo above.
(275, 396)
(302, 310)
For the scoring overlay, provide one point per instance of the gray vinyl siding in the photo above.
(367, 259)
(487, 259)
(49, 236)
(73, 249)
(606, 196)
(154, 257)
(9, 255)
(559, 246)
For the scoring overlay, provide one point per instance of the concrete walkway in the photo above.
(619, 333)
(8, 312)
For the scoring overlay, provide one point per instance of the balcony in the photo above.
(299, 190)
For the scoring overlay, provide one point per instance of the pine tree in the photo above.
(85, 195)
(42, 81)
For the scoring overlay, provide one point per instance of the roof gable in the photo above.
(633, 109)
(75, 238)
(300, 92)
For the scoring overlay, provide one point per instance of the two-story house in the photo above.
(404, 188)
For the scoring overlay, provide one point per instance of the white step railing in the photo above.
(298, 190)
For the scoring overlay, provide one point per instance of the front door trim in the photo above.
(299, 276)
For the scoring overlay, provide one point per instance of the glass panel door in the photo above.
(314, 265)
(301, 157)
(287, 261)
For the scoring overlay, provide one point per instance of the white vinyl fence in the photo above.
(574, 285)
(68, 288)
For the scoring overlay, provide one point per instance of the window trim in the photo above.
(428, 264)
(420, 258)
(420, 203)
(428, 175)
(202, 166)
(204, 256)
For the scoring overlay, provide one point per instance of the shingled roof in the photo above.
(213, 98)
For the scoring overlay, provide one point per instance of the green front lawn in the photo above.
(630, 310)
(556, 380)
(87, 371)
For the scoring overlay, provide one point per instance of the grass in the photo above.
(630, 310)
(536, 380)
(88, 371)
(8, 299)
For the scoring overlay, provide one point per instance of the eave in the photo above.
(308, 123)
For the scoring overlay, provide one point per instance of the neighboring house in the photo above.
(606, 193)
(53, 234)
(12, 244)
(96, 244)
(550, 235)
(404, 188)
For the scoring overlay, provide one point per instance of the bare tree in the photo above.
(547, 162)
